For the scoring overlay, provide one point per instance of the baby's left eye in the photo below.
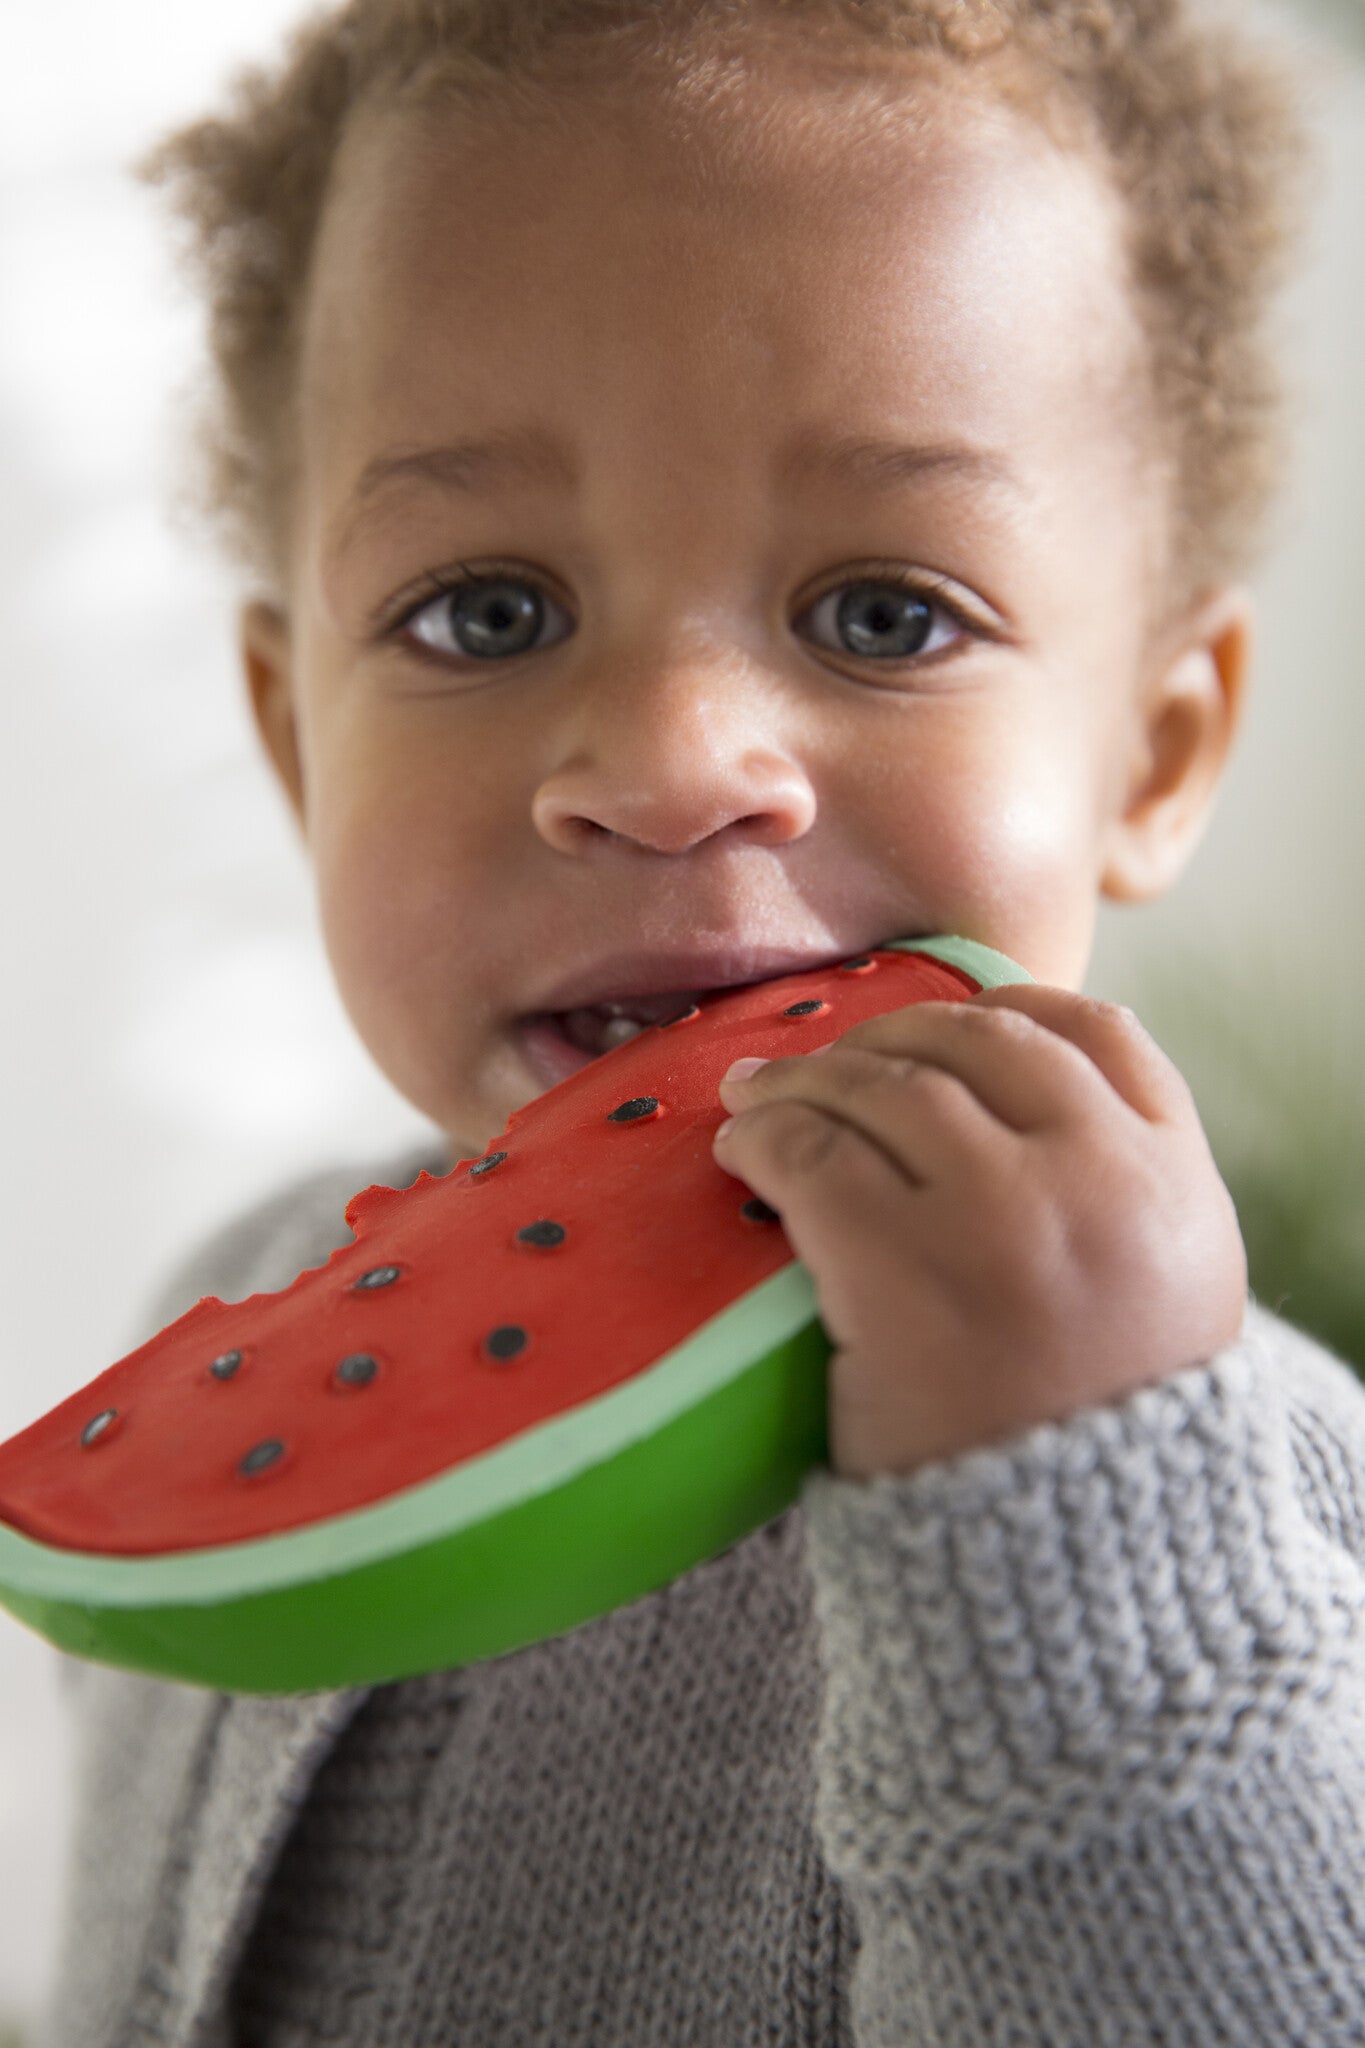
(880, 620)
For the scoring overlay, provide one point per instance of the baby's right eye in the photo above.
(488, 618)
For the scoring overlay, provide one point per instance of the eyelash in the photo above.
(437, 585)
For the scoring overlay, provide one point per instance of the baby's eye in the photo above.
(881, 619)
(488, 617)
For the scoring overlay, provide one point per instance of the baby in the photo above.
(725, 485)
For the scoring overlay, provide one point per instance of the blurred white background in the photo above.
(171, 1047)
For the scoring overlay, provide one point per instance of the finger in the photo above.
(1112, 1038)
(1036, 1056)
(847, 1210)
(924, 1118)
(1020, 1075)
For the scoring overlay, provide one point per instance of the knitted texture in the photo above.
(1054, 1745)
(1092, 1763)
(1093, 1623)
(606, 1838)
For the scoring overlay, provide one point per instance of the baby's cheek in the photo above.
(386, 908)
(1000, 845)
(991, 825)
(1033, 833)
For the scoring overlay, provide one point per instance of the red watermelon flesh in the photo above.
(594, 1235)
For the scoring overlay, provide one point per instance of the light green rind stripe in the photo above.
(983, 963)
(534, 1463)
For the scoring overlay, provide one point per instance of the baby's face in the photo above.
(732, 687)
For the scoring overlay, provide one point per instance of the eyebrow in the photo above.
(881, 465)
(532, 456)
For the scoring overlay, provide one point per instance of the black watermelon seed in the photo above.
(96, 1429)
(357, 1370)
(225, 1364)
(759, 1212)
(805, 1009)
(261, 1455)
(543, 1232)
(630, 1112)
(487, 1165)
(861, 965)
(681, 1016)
(378, 1276)
(506, 1341)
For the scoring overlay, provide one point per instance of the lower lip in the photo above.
(549, 1053)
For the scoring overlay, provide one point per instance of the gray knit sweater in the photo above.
(1056, 1745)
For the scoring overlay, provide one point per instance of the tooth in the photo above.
(620, 1031)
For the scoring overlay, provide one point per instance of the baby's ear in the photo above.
(267, 661)
(1185, 718)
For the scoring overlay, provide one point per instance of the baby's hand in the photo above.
(1009, 1210)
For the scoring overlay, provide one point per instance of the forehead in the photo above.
(658, 273)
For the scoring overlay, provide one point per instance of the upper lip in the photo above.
(618, 976)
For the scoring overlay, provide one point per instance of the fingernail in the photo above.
(742, 1069)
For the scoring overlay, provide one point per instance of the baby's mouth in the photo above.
(559, 1042)
(599, 1027)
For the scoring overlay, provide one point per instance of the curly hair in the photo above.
(1197, 126)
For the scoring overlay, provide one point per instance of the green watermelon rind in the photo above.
(986, 967)
(624, 1492)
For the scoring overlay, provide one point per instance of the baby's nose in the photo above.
(668, 775)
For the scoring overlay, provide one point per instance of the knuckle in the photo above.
(1114, 1016)
(994, 1019)
(797, 1138)
(863, 1070)
(934, 1086)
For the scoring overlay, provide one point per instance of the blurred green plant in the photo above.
(1277, 1067)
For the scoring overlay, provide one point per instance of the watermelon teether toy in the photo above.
(529, 1391)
